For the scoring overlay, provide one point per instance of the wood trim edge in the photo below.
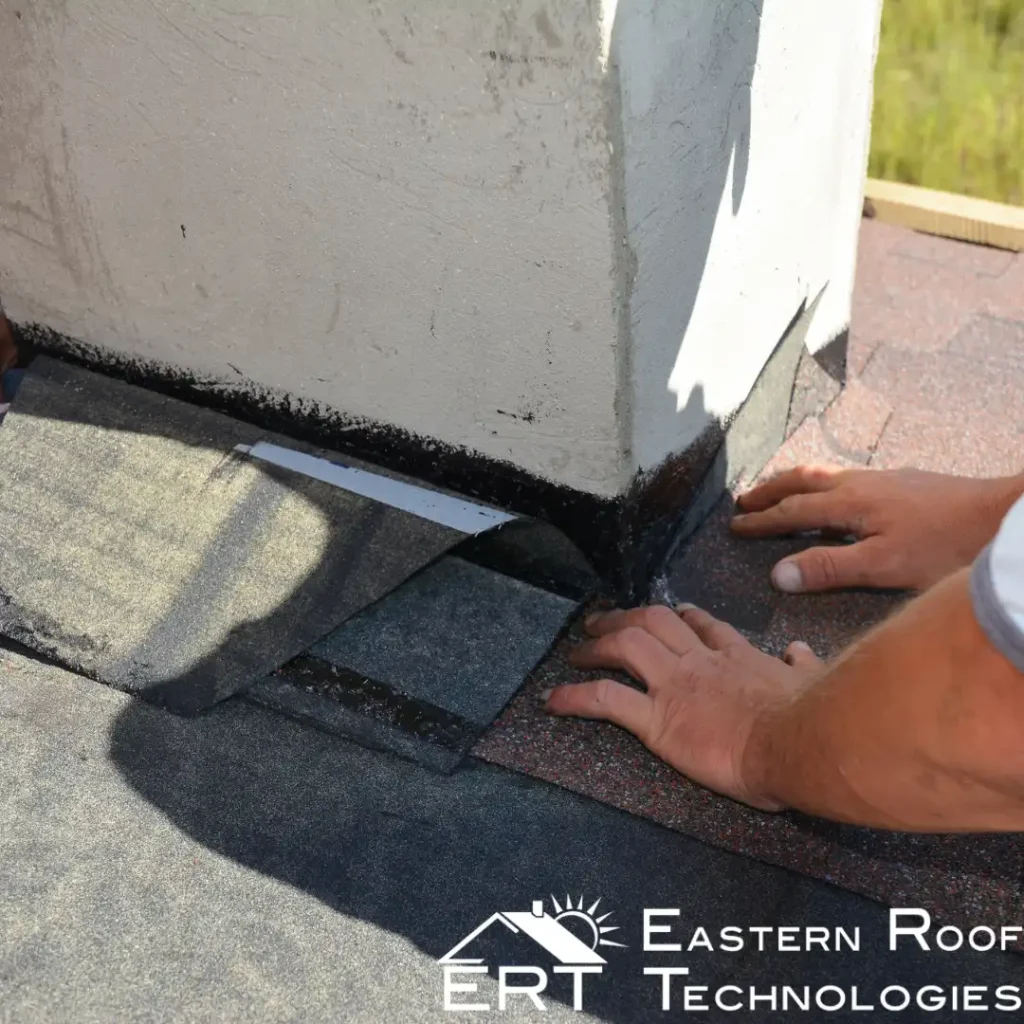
(944, 213)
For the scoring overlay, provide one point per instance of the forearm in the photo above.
(919, 726)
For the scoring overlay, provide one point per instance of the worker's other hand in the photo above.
(8, 350)
(911, 528)
(706, 687)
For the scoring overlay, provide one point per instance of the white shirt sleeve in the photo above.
(997, 587)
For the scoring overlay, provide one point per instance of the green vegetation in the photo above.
(949, 97)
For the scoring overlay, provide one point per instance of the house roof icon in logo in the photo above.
(546, 931)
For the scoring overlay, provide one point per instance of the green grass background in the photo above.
(949, 96)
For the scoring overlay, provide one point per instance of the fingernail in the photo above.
(592, 619)
(544, 694)
(738, 517)
(685, 606)
(801, 645)
(788, 578)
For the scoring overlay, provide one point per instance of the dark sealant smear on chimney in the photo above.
(625, 538)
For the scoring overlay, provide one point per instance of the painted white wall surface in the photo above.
(520, 228)
(746, 129)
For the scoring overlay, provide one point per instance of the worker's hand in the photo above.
(911, 528)
(8, 350)
(706, 686)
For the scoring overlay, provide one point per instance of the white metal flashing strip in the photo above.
(455, 513)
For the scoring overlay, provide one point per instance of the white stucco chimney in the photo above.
(558, 237)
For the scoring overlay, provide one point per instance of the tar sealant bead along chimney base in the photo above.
(539, 251)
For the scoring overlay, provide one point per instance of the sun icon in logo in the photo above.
(594, 926)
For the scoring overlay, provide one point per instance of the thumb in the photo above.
(826, 568)
(799, 655)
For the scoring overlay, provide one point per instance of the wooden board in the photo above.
(946, 214)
